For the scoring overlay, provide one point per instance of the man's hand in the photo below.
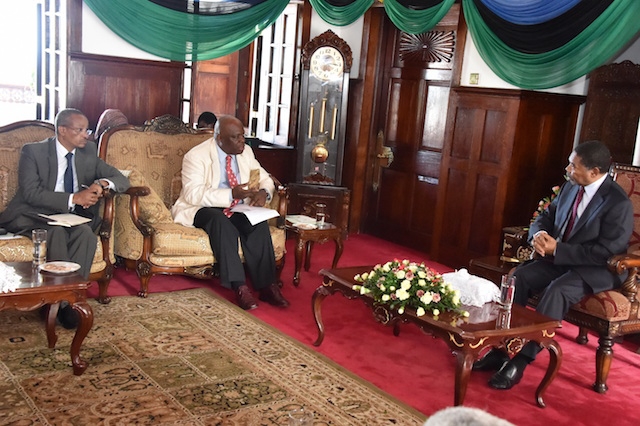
(543, 244)
(259, 198)
(242, 191)
(88, 196)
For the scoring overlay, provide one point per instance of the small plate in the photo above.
(306, 226)
(59, 267)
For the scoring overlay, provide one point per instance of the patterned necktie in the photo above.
(233, 181)
(68, 174)
(574, 214)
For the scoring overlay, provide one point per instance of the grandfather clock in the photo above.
(324, 88)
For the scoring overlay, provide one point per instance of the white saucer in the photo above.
(59, 267)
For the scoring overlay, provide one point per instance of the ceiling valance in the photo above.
(532, 44)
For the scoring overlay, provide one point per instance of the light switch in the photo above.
(473, 78)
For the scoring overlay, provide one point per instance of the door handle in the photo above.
(385, 158)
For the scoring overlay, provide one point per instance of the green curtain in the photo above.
(341, 15)
(414, 21)
(606, 36)
(185, 36)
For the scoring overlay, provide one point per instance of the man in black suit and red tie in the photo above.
(589, 221)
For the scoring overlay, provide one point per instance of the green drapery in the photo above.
(185, 36)
(609, 33)
(341, 15)
(415, 21)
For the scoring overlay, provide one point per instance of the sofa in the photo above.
(12, 138)
(146, 238)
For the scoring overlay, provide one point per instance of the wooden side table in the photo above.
(305, 238)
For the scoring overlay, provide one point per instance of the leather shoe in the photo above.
(245, 299)
(508, 376)
(273, 296)
(492, 361)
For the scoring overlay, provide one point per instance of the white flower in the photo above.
(427, 298)
(436, 312)
(372, 275)
(356, 287)
(422, 274)
(400, 274)
(465, 314)
(386, 267)
(365, 275)
(420, 311)
(392, 288)
(357, 277)
(406, 285)
(386, 297)
(402, 294)
(364, 290)
(405, 262)
(421, 282)
(401, 311)
(456, 300)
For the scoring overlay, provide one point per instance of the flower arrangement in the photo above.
(404, 284)
(544, 203)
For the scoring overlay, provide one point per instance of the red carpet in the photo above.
(419, 369)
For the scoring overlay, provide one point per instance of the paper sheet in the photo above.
(255, 214)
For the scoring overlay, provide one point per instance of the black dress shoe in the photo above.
(273, 296)
(492, 361)
(508, 376)
(245, 299)
(68, 317)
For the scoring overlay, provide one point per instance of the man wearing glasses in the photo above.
(63, 174)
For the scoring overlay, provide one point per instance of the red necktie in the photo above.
(233, 181)
(574, 214)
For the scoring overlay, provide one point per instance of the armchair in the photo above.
(12, 137)
(146, 238)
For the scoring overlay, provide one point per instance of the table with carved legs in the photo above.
(486, 327)
(305, 238)
(37, 289)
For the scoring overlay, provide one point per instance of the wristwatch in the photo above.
(99, 182)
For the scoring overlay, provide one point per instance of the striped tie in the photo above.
(233, 181)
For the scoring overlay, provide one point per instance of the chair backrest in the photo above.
(155, 150)
(12, 137)
(628, 177)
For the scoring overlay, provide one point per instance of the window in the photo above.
(273, 71)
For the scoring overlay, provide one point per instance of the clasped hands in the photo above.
(544, 244)
(89, 196)
(257, 197)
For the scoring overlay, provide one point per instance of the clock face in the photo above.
(327, 63)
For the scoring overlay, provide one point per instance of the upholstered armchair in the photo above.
(12, 137)
(146, 238)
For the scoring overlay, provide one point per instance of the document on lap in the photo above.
(255, 214)
(64, 219)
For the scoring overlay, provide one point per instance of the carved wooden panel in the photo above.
(504, 150)
(140, 89)
(612, 108)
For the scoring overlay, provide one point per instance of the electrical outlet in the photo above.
(473, 78)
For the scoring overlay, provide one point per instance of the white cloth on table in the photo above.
(474, 290)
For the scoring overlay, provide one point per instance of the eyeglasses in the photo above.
(88, 132)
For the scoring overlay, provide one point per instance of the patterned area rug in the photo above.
(186, 358)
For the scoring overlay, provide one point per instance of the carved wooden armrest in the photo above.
(108, 210)
(629, 262)
(282, 201)
(134, 193)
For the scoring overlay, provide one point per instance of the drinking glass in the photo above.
(300, 417)
(321, 212)
(39, 239)
(507, 291)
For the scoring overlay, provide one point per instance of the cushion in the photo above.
(152, 209)
(610, 305)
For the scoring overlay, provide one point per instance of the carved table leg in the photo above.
(84, 325)
(555, 360)
(307, 258)
(52, 314)
(338, 253)
(300, 243)
(316, 302)
(463, 372)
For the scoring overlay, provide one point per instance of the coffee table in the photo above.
(304, 243)
(487, 326)
(37, 289)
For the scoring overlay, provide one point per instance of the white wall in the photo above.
(352, 34)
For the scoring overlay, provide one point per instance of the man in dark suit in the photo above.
(214, 178)
(43, 188)
(589, 221)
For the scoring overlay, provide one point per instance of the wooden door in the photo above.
(412, 118)
(215, 86)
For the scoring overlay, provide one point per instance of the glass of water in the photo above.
(321, 213)
(39, 239)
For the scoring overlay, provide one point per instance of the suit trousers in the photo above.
(256, 245)
(77, 243)
(559, 287)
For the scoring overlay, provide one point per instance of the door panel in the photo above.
(412, 117)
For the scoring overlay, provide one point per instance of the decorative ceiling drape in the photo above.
(532, 44)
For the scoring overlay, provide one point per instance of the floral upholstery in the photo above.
(154, 243)
(12, 138)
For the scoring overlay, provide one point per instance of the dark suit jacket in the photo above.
(603, 229)
(37, 174)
